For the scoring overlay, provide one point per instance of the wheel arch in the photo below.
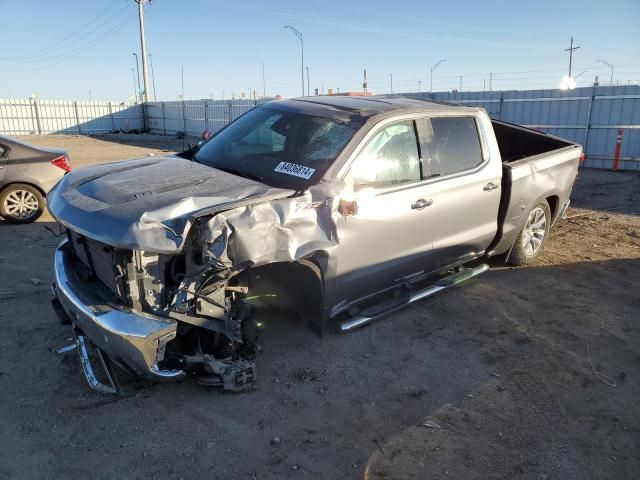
(19, 182)
(297, 287)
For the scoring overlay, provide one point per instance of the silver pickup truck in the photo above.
(339, 209)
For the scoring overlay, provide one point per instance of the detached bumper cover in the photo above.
(136, 340)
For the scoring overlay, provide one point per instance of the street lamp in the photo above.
(432, 69)
(299, 35)
(391, 82)
(137, 72)
(611, 66)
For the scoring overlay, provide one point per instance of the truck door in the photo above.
(384, 230)
(468, 186)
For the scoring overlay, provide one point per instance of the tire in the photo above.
(532, 238)
(21, 203)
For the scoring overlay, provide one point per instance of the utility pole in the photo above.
(491, 81)
(143, 52)
(571, 49)
(610, 66)
(308, 81)
(138, 73)
(419, 84)
(153, 78)
(299, 35)
(460, 89)
(484, 84)
(264, 87)
(391, 82)
(431, 76)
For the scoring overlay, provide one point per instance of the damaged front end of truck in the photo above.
(170, 292)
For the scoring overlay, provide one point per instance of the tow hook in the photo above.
(232, 375)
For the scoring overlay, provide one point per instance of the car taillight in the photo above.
(62, 162)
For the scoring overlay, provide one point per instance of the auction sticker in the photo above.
(295, 170)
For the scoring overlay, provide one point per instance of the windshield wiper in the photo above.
(241, 173)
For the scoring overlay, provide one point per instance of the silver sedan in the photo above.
(27, 173)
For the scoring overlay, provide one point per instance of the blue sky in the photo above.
(66, 48)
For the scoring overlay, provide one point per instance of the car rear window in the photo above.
(449, 145)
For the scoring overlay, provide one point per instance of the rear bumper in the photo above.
(136, 340)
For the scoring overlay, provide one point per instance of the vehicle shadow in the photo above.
(170, 143)
(560, 353)
(499, 364)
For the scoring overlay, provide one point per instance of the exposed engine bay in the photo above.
(216, 337)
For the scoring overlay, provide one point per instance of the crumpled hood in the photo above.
(149, 203)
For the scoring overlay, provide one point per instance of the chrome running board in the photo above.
(442, 284)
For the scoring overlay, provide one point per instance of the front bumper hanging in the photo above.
(135, 340)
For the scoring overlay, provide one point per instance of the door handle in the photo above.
(422, 203)
(490, 186)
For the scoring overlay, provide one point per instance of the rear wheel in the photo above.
(21, 203)
(533, 236)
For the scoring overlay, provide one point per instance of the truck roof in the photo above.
(370, 105)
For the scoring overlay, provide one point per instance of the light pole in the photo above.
(299, 35)
(308, 81)
(432, 69)
(611, 66)
(153, 78)
(460, 77)
(135, 91)
(419, 84)
(391, 82)
(138, 73)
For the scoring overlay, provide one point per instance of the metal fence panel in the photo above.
(195, 116)
(35, 116)
(589, 115)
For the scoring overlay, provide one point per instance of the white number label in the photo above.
(295, 170)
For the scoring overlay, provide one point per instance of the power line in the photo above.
(69, 55)
(427, 20)
(385, 30)
(45, 51)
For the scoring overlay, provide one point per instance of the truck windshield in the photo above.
(277, 147)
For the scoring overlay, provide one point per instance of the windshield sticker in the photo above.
(295, 170)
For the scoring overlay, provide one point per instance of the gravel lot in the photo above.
(500, 365)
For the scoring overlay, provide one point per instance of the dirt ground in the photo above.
(525, 373)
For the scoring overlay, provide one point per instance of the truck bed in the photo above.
(517, 143)
(536, 167)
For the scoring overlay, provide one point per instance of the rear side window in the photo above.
(389, 159)
(449, 145)
(3, 150)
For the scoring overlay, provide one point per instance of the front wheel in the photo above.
(533, 236)
(21, 203)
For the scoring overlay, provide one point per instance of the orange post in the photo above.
(616, 153)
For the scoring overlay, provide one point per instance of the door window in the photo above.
(389, 159)
(449, 145)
